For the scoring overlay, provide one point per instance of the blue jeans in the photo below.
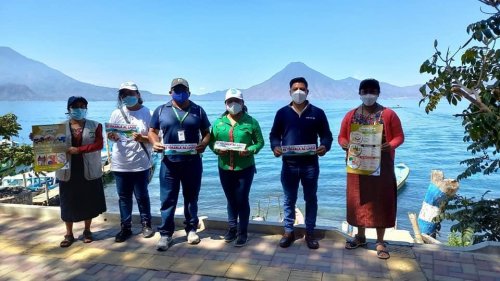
(291, 175)
(172, 175)
(128, 183)
(236, 186)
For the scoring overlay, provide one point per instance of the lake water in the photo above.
(432, 142)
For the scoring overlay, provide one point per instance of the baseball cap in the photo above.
(233, 93)
(179, 81)
(74, 99)
(129, 86)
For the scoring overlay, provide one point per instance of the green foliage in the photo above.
(456, 239)
(477, 221)
(11, 154)
(475, 78)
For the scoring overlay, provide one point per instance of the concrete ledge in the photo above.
(488, 247)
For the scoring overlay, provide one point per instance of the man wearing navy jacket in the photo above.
(295, 130)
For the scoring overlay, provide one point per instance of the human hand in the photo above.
(321, 150)
(277, 151)
(244, 153)
(221, 152)
(113, 137)
(136, 136)
(344, 145)
(73, 150)
(386, 146)
(200, 148)
(158, 146)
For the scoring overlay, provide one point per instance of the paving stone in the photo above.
(296, 275)
(159, 262)
(272, 273)
(184, 265)
(213, 268)
(243, 271)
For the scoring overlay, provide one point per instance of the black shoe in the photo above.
(311, 242)
(287, 239)
(230, 235)
(241, 241)
(123, 235)
(147, 231)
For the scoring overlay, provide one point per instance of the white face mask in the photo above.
(234, 108)
(368, 99)
(299, 96)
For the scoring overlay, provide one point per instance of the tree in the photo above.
(12, 155)
(476, 79)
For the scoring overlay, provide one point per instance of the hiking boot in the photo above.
(147, 231)
(230, 235)
(241, 241)
(193, 238)
(164, 243)
(123, 235)
(287, 239)
(311, 241)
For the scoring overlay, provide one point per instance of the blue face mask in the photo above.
(77, 113)
(130, 101)
(180, 97)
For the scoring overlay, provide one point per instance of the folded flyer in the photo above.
(124, 131)
(226, 145)
(298, 150)
(180, 149)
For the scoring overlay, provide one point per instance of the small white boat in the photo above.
(30, 181)
(402, 171)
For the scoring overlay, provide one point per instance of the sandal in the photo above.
(87, 236)
(383, 253)
(68, 240)
(358, 241)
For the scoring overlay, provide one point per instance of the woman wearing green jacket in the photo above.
(235, 138)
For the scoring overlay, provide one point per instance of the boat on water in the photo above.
(402, 172)
(30, 180)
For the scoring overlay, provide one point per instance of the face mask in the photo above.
(77, 113)
(180, 97)
(368, 99)
(299, 96)
(234, 108)
(130, 101)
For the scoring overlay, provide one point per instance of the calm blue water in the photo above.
(432, 142)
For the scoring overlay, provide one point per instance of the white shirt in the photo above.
(129, 156)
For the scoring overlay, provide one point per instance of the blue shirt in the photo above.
(195, 122)
(291, 129)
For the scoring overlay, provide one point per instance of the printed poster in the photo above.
(180, 149)
(49, 147)
(363, 155)
(225, 145)
(124, 131)
(298, 150)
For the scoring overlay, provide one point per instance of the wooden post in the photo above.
(416, 230)
(439, 192)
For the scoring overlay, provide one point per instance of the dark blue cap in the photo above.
(74, 99)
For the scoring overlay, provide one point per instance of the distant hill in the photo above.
(22, 78)
(321, 87)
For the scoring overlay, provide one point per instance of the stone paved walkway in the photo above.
(29, 250)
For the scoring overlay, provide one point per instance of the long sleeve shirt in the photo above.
(291, 128)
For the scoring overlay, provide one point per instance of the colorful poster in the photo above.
(49, 147)
(363, 155)
(124, 131)
(180, 149)
(298, 150)
(225, 145)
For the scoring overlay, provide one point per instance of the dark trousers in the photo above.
(291, 175)
(128, 183)
(236, 186)
(172, 175)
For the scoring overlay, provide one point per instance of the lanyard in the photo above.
(183, 117)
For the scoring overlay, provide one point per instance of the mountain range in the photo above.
(22, 78)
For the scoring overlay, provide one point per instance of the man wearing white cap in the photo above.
(181, 122)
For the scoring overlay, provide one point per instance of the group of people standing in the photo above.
(371, 200)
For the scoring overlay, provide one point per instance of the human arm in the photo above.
(276, 134)
(95, 146)
(325, 135)
(257, 138)
(395, 135)
(343, 137)
(205, 139)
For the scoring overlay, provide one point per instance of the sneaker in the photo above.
(193, 238)
(147, 231)
(230, 235)
(287, 239)
(241, 241)
(123, 235)
(164, 243)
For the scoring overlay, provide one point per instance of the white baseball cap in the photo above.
(233, 93)
(129, 86)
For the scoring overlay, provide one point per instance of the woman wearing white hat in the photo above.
(235, 138)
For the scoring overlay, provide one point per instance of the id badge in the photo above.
(181, 135)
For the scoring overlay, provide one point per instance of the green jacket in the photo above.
(246, 130)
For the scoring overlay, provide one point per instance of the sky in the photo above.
(219, 44)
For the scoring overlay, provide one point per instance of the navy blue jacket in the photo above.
(291, 129)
